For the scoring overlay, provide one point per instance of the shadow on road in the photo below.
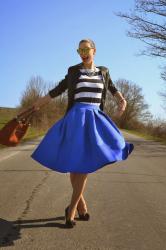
(10, 231)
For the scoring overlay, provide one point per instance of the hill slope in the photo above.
(6, 114)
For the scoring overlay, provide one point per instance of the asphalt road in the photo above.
(126, 201)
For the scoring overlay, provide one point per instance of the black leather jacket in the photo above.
(69, 82)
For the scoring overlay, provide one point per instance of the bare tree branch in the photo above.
(145, 28)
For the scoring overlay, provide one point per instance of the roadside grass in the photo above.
(6, 114)
(31, 134)
(146, 136)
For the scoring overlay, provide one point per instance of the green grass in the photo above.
(6, 114)
(145, 136)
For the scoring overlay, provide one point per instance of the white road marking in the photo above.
(8, 153)
(8, 156)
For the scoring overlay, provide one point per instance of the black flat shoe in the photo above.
(69, 223)
(85, 216)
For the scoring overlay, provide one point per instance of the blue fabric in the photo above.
(82, 141)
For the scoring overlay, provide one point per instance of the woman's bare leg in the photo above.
(82, 207)
(78, 188)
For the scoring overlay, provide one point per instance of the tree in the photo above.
(35, 88)
(148, 30)
(163, 93)
(136, 109)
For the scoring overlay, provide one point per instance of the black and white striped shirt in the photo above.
(89, 87)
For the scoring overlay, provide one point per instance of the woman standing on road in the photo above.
(85, 139)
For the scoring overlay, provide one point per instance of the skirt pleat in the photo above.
(83, 141)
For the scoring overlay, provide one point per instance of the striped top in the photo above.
(89, 86)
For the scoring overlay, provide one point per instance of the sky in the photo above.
(41, 37)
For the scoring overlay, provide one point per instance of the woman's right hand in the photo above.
(37, 104)
(41, 101)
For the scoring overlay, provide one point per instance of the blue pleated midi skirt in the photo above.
(82, 141)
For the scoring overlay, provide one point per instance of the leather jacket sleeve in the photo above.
(60, 88)
(111, 86)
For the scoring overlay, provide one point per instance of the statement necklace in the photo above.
(89, 72)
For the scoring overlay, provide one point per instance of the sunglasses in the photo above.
(84, 50)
